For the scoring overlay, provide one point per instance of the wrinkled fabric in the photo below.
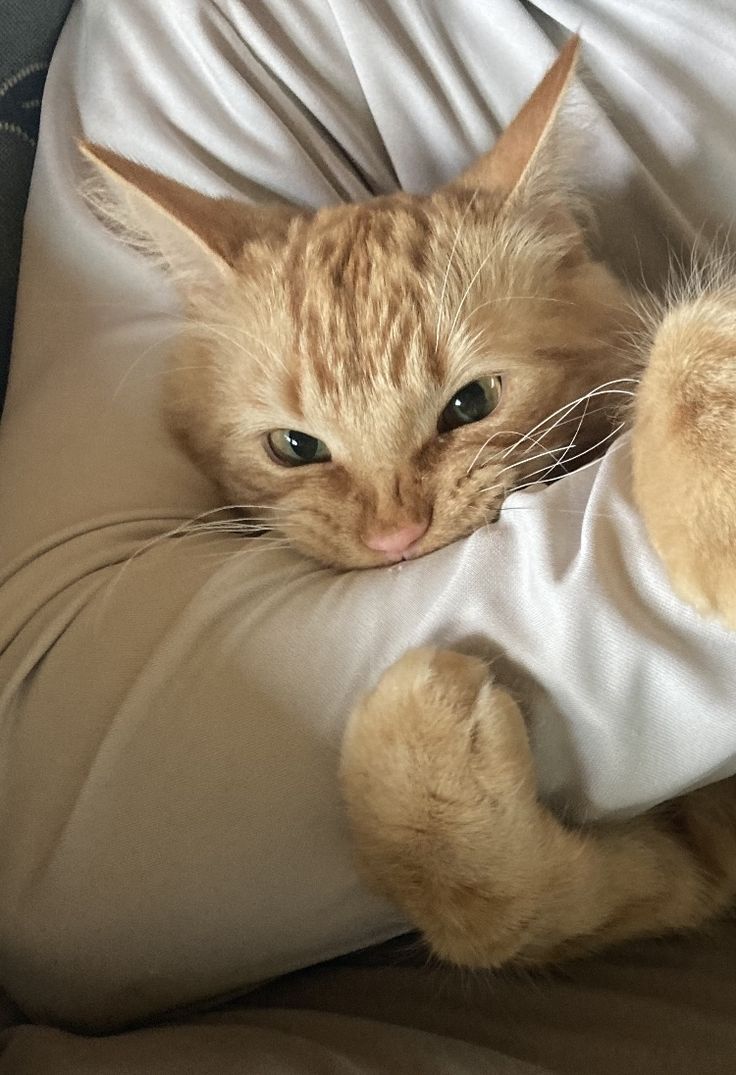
(171, 710)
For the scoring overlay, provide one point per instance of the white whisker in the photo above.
(567, 407)
(559, 511)
(252, 549)
(579, 455)
(220, 332)
(465, 294)
(144, 354)
(539, 455)
(561, 460)
(519, 298)
(521, 437)
(482, 448)
(191, 528)
(440, 307)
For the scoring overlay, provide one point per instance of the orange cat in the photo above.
(379, 376)
(377, 372)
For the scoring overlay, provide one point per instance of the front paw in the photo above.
(702, 571)
(684, 451)
(440, 790)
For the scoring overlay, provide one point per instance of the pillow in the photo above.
(172, 709)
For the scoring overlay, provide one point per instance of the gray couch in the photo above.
(29, 32)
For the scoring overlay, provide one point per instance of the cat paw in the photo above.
(704, 576)
(440, 789)
(684, 451)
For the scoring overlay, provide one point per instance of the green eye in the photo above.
(294, 449)
(470, 404)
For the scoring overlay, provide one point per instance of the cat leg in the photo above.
(684, 451)
(441, 793)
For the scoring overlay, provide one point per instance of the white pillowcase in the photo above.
(170, 824)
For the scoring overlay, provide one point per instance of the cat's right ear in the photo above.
(524, 154)
(197, 238)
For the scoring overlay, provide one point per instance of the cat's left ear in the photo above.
(524, 149)
(196, 238)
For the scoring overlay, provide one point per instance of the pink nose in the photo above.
(396, 542)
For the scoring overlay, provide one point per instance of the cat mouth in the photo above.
(391, 559)
(427, 545)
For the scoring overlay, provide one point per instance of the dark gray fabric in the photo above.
(29, 32)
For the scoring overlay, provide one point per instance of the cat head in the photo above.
(378, 376)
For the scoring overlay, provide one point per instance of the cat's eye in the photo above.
(471, 403)
(294, 449)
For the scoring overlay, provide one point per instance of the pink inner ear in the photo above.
(395, 542)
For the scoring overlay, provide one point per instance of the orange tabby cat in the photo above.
(371, 369)
(378, 377)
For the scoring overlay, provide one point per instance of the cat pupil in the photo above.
(302, 444)
(471, 403)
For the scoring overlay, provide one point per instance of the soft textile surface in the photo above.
(655, 1008)
(170, 826)
(29, 31)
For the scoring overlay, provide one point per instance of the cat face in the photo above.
(377, 377)
(374, 369)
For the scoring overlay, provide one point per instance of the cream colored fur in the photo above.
(437, 770)
(356, 325)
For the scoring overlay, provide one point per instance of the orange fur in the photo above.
(436, 766)
(685, 448)
(356, 325)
